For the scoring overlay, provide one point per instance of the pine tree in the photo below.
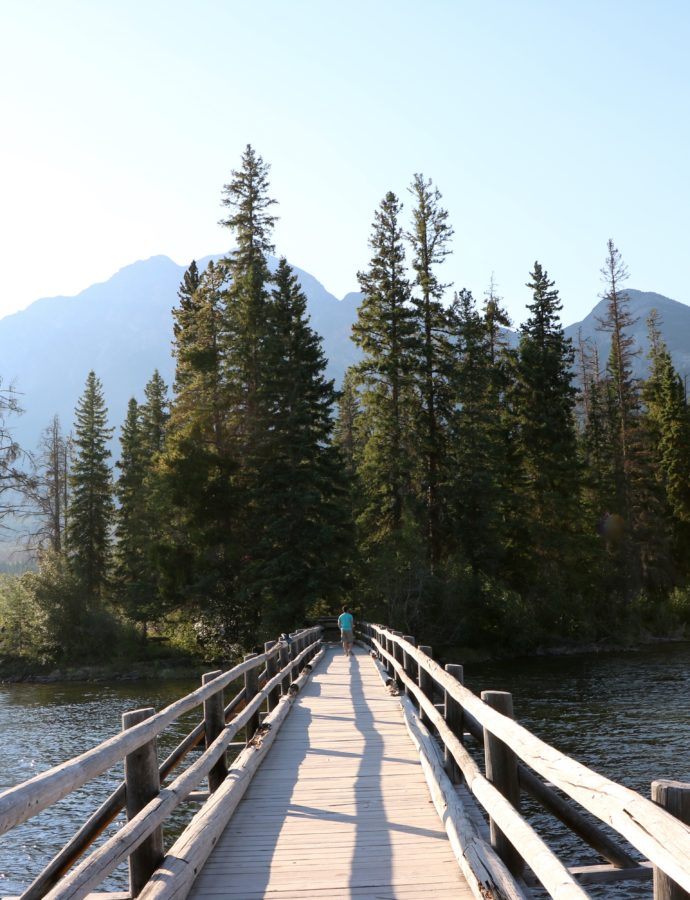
(543, 401)
(623, 386)
(154, 415)
(247, 295)
(597, 444)
(429, 238)
(90, 513)
(346, 430)
(141, 514)
(300, 498)
(479, 484)
(184, 314)
(666, 425)
(131, 575)
(47, 490)
(385, 332)
(495, 319)
(196, 552)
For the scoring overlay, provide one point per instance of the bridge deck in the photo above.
(339, 808)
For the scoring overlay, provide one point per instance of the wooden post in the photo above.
(502, 771)
(426, 683)
(251, 686)
(388, 644)
(214, 722)
(410, 665)
(284, 661)
(142, 784)
(271, 671)
(313, 638)
(674, 796)
(399, 657)
(295, 648)
(454, 717)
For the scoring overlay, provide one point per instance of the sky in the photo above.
(549, 126)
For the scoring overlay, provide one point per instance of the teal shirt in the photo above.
(346, 622)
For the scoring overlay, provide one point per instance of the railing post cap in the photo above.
(134, 716)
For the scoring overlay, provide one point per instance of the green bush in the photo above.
(679, 605)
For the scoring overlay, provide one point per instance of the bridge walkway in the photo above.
(339, 808)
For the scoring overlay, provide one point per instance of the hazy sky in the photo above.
(548, 125)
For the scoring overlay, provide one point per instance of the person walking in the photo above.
(346, 623)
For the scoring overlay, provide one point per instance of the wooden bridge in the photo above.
(377, 776)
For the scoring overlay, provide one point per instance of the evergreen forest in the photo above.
(478, 494)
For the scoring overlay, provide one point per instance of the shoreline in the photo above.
(471, 655)
(135, 671)
(171, 670)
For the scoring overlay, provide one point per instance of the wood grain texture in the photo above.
(339, 808)
(657, 834)
(21, 802)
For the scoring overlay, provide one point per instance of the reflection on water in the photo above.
(625, 715)
(44, 724)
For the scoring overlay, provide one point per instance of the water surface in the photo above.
(41, 726)
(625, 715)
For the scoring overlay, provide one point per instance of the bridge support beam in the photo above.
(426, 683)
(214, 722)
(674, 796)
(399, 655)
(251, 686)
(502, 772)
(142, 784)
(410, 666)
(455, 721)
(271, 670)
(284, 662)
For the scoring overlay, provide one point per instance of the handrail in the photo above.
(543, 861)
(95, 867)
(661, 837)
(20, 802)
(569, 814)
(108, 811)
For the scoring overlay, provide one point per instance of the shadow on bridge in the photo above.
(317, 820)
(372, 851)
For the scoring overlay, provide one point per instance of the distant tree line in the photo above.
(456, 487)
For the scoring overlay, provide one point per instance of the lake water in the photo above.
(42, 725)
(625, 715)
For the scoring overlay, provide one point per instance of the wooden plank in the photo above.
(91, 871)
(481, 865)
(340, 808)
(191, 850)
(657, 834)
(544, 863)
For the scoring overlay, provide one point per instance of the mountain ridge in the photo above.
(122, 329)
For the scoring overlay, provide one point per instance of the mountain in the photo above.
(122, 329)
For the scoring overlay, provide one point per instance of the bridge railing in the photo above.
(516, 760)
(266, 680)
